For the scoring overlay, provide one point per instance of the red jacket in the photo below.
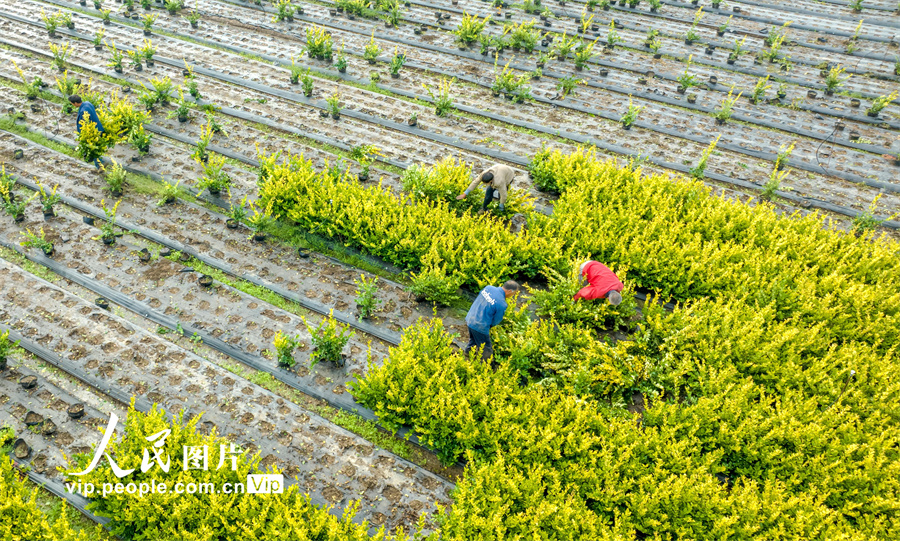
(601, 280)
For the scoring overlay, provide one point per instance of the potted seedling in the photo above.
(174, 6)
(879, 103)
(783, 157)
(15, 206)
(147, 22)
(567, 85)
(306, 81)
(60, 55)
(182, 108)
(48, 199)
(366, 301)
(397, 62)
(139, 139)
(97, 40)
(723, 112)
(329, 339)
(341, 62)
(129, 5)
(759, 91)
(147, 4)
(782, 91)
(194, 18)
(284, 349)
(285, 11)
(413, 119)
(236, 214)
(833, 80)
(364, 154)
(115, 61)
(334, 105)
(108, 229)
(440, 96)
(97, 5)
(214, 178)
(686, 80)
(372, 50)
(115, 177)
(105, 16)
(583, 54)
(737, 51)
(723, 27)
(630, 115)
(259, 222)
(136, 58)
(39, 241)
(169, 193)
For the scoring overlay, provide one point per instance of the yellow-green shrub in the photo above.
(22, 520)
(219, 516)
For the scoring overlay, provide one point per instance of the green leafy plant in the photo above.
(470, 28)
(148, 21)
(285, 11)
(724, 26)
(759, 91)
(318, 42)
(856, 5)
(238, 211)
(365, 155)
(116, 57)
(182, 109)
(397, 62)
(92, 143)
(139, 138)
(372, 50)
(105, 15)
(200, 153)
(51, 22)
(583, 54)
(306, 82)
(433, 284)
(879, 103)
(567, 85)
(6, 347)
(724, 111)
(334, 104)
(691, 34)
(366, 301)
(440, 96)
(169, 193)
(784, 156)
(284, 348)
(136, 59)
(60, 54)
(148, 51)
(340, 61)
(507, 82)
(631, 114)
(773, 184)
(214, 178)
(97, 40)
(108, 227)
(115, 177)
(48, 199)
(15, 206)
(35, 240)
(193, 18)
(699, 171)
(738, 49)
(564, 45)
(523, 36)
(174, 6)
(328, 340)
(261, 219)
(686, 80)
(163, 87)
(867, 221)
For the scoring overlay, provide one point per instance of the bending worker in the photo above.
(496, 178)
(602, 283)
(487, 311)
(86, 108)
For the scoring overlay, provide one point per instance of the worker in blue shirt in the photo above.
(487, 311)
(86, 107)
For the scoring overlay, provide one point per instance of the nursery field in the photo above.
(262, 255)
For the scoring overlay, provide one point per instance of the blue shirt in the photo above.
(88, 107)
(487, 310)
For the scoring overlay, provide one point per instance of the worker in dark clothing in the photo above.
(487, 311)
(86, 108)
(495, 179)
(602, 283)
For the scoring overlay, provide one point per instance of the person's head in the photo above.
(510, 287)
(75, 99)
(583, 265)
(615, 298)
(487, 177)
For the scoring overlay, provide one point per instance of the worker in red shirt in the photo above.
(602, 283)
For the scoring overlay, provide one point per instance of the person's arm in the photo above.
(502, 191)
(470, 188)
(498, 316)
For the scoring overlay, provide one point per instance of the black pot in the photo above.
(713, 79)
(19, 218)
(231, 223)
(148, 33)
(165, 252)
(604, 72)
(144, 256)
(109, 241)
(854, 102)
(688, 42)
(657, 56)
(710, 50)
(28, 382)
(680, 90)
(117, 69)
(720, 33)
(195, 25)
(781, 95)
(720, 122)
(304, 254)
(259, 237)
(75, 411)
(829, 92)
(811, 94)
(854, 135)
(730, 61)
(205, 280)
(21, 449)
(871, 114)
(48, 251)
(183, 118)
(138, 68)
(412, 122)
(335, 115)
(395, 75)
(2, 364)
(692, 99)
(626, 127)
(33, 418)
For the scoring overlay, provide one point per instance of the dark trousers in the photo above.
(488, 197)
(477, 339)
